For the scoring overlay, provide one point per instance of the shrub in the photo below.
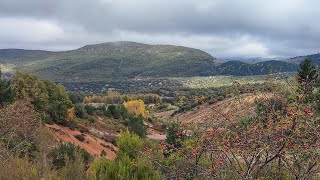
(136, 125)
(117, 114)
(74, 168)
(75, 98)
(115, 111)
(123, 168)
(67, 152)
(79, 137)
(99, 112)
(107, 113)
(175, 137)
(18, 128)
(112, 108)
(89, 108)
(7, 92)
(103, 153)
(127, 165)
(91, 119)
(79, 111)
(129, 144)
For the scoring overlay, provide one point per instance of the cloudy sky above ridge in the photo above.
(224, 28)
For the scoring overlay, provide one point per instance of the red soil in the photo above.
(221, 112)
(91, 144)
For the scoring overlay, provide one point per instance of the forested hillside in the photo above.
(129, 60)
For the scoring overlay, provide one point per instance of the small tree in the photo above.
(137, 126)
(107, 113)
(67, 151)
(307, 76)
(89, 108)
(59, 102)
(70, 113)
(79, 111)
(135, 107)
(31, 87)
(75, 98)
(175, 136)
(115, 111)
(129, 144)
(7, 92)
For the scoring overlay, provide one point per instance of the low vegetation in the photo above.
(273, 135)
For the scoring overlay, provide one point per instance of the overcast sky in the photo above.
(224, 28)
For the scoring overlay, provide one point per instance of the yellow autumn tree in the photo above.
(86, 100)
(181, 100)
(70, 113)
(199, 99)
(135, 107)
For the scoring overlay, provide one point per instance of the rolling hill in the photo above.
(116, 60)
(127, 60)
(314, 57)
(238, 68)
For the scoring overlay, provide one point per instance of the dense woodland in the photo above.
(274, 135)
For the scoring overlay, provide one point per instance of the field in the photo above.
(6, 68)
(218, 81)
(163, 86)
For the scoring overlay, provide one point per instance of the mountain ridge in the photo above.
(126, 60)
(315, 58)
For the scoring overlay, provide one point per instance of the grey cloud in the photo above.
(271, 28)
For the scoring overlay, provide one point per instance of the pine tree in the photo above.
(307, 76)
(7, 92)
(136, 125)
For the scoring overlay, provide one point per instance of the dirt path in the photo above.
(156, 134)
(164, 114)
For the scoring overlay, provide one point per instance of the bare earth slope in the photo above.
(92, 144)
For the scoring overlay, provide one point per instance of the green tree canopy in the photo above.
(32, 88)
(307, 75)
(46, 96)
(136, 125)
(129, 144)
(7, 92)
(59, 102)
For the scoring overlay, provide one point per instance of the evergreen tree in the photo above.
(117, 114)
(59, 102)
(80, 111)
(115, 111)
(107, 113)
(175, 136)
(89, 108)
(307, 76)
(7, 92)
(136, 125)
